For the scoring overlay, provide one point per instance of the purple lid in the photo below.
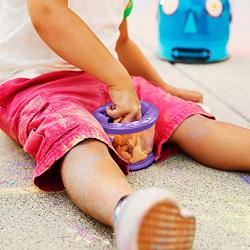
(149, 118)
(143, 163)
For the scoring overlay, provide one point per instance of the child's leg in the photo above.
(145, 219)
(93, 181)
(214, 143)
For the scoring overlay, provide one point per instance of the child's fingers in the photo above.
(123, 116)
(114, 113)
(130, 117)
(118, 114)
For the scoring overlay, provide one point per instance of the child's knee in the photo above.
(86, 154)
(194, 128)
(89, 148)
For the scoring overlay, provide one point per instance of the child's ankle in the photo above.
(118, 208)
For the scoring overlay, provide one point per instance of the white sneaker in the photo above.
(151, 219)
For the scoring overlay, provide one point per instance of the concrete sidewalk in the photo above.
(30, 219)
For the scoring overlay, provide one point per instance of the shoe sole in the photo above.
(165, 227)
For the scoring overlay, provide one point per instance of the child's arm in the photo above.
(136, 64)
(68, 36)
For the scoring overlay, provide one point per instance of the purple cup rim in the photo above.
(149, 117)
(143, 163)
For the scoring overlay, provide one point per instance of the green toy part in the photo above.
(128, 9)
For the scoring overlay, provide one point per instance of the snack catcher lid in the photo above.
(149, 117)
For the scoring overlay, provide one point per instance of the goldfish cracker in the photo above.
(117, 140)
(124, 147)
(121, 149)
(123, 152)
(138, 154)
(126, 156)
(125, 139)
(129, 147)
(132, 141)
(120, 140)
(118, 149)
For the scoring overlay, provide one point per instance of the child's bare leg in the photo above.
(93, 181)
(214, 143)
(95, 184)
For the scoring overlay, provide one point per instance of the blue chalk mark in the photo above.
(8, 182)
(246, 179)
(12, 182)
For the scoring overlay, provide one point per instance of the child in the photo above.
(84, 60)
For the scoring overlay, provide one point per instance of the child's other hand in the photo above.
(188, 95)
(126, 104)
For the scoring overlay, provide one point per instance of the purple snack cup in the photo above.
(133, 141)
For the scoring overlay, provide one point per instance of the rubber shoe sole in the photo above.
(152, 220)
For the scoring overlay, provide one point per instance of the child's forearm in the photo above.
(68, 36)
(137, 64)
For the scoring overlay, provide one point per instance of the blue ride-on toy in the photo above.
(194, 30)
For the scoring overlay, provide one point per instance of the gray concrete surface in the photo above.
(30, 219)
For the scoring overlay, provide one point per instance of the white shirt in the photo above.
(24, 54)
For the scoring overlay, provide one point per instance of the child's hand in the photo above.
(188, 95)
(126, 104)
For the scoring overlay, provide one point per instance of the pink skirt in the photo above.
(50, 114)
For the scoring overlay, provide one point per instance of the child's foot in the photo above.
(151, 219)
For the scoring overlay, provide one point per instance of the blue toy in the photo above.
(194, 30)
